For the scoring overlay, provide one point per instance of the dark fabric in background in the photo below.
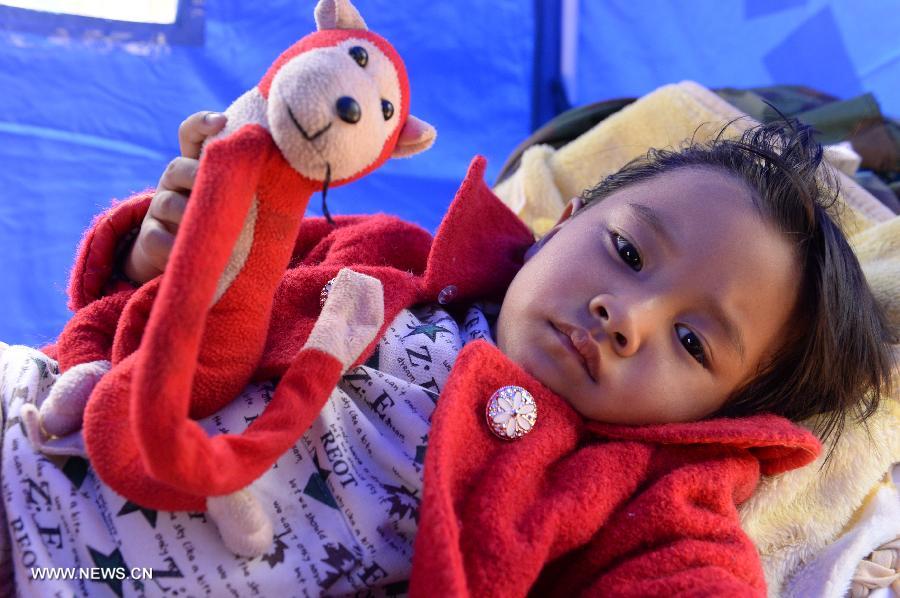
(90, 108)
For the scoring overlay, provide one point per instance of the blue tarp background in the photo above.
(90, 108)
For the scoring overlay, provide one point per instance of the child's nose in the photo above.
(619, 319)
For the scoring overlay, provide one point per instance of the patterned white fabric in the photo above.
(344, 500)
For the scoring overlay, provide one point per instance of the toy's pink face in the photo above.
(335, 107)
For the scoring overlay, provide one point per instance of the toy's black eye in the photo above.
(387, 109)
(359, 54)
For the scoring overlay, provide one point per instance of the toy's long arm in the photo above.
(182, 455)
(204, 338)
(198, 343)
(211, 244)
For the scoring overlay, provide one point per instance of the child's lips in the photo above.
(579, 341)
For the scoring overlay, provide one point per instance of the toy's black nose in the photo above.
(348, 109)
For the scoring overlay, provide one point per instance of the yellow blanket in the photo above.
(794, 516)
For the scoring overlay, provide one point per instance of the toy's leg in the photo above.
(72, 444)
(27, 377)
(54, 429)
(62, 411)
(243, 524)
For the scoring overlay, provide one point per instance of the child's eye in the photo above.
(692, 344)
(628, 252)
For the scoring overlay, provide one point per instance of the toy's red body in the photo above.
(195, 364)
(188, 343)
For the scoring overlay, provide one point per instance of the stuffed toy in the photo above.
(332, 108)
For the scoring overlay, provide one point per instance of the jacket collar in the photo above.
(479, 245)
(779, 444)
(776, 442)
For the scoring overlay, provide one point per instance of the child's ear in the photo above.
(575, 204)
(416, 136)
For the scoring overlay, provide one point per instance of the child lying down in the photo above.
(594, 405)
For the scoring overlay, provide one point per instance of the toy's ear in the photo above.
(338, 14)
(416, 136)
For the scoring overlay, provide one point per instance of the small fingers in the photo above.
(168, 207)
(179, 175)
(156, 243)
(196, 128)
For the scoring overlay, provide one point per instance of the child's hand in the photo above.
(151, 249)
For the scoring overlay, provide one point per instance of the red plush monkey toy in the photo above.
(332, 108)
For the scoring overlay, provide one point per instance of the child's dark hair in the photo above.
(838, 362)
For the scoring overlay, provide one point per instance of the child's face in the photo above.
(656, 304)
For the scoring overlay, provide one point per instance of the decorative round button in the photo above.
(447, 294)
(511, 412)
(323, 294)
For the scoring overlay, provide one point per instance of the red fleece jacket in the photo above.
(572, 507)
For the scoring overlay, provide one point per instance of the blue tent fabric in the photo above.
(628, 48)
(91, 107)
(92, 110)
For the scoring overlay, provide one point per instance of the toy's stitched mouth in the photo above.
(325, 184)
(306, 135)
